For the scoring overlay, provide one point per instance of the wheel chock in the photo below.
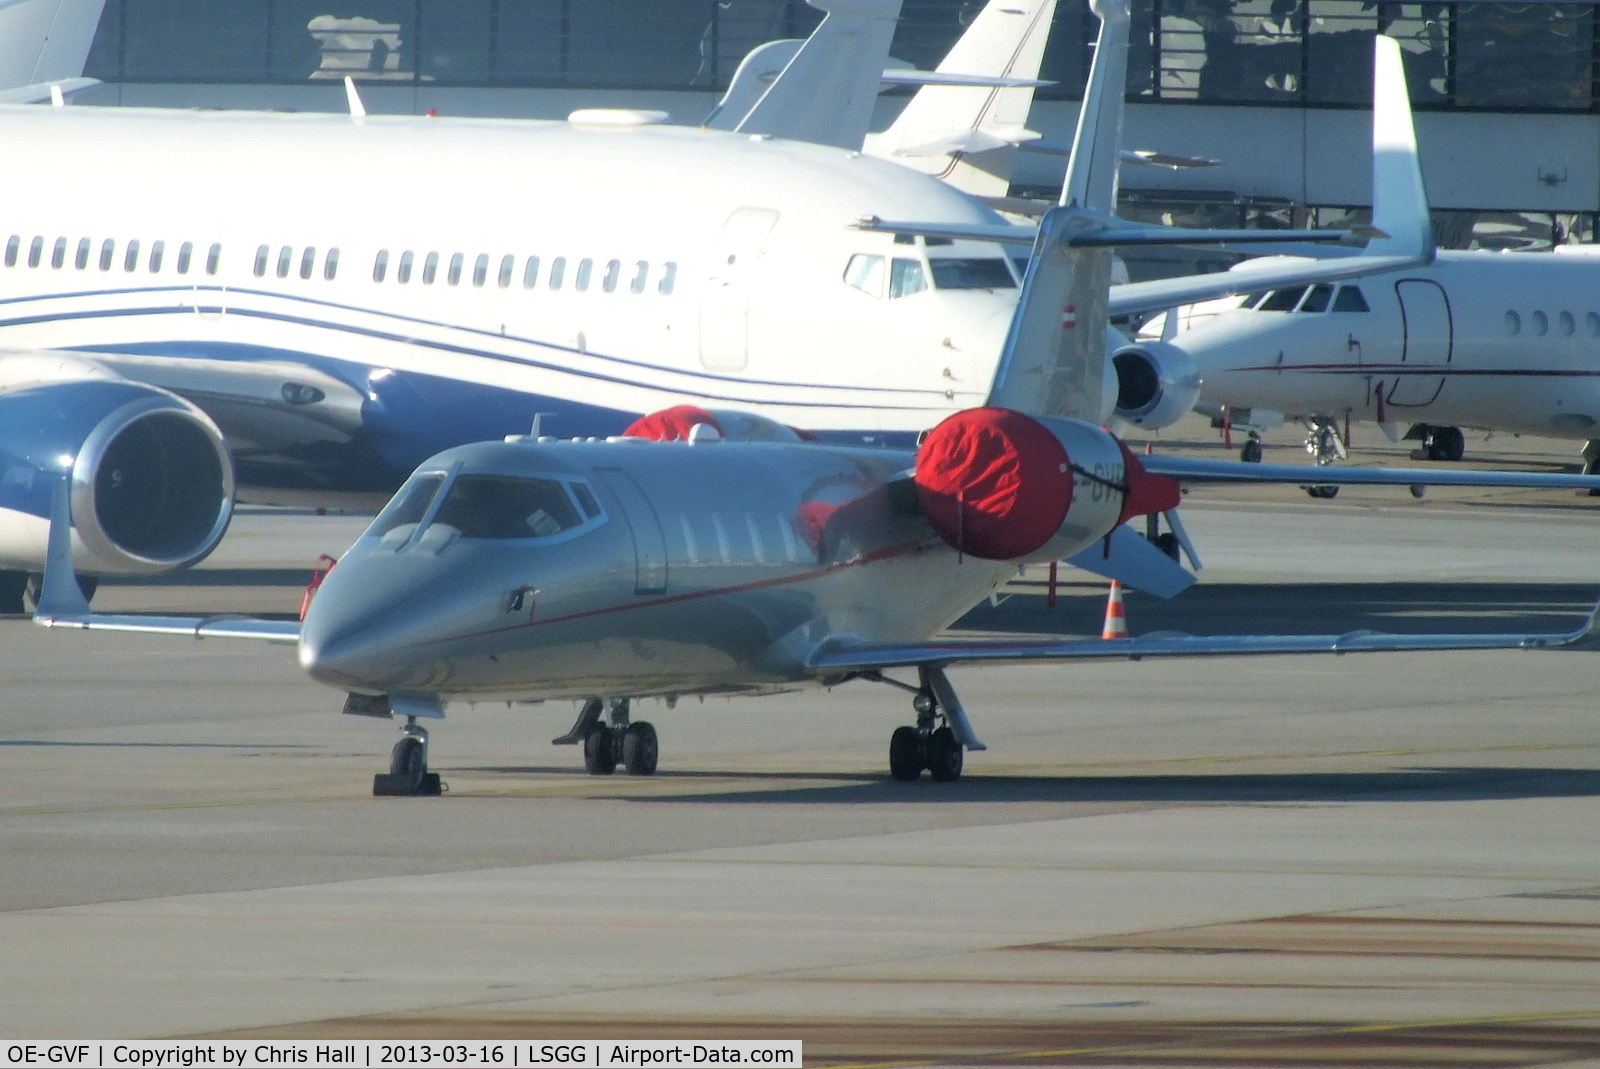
(389, 784)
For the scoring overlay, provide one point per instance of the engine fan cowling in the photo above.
(152, 482)
(1157, 384)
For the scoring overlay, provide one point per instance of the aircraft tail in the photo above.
(826, 92)
(968, 135)
(1399, 201)
(44, 41)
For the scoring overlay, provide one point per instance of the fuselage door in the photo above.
(725, 302)
(649, 544)
(1428, 341)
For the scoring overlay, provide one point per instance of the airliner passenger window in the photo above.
(130, 259)
(185, 255)
(454, 275)
(330, 265)
(58, 255)
(613, 272)
(669, 274)
(35, 250)
(585, 269)
(403, 273)
(158, 249)
(1350, 300)
(285, 261)
(13, 246)
(1282, 300)
(975, 273)
(380, 266)
(906, 277)
(82, 259)
(558, 271)
(108, 252)
(430, 269)
(1317, 299)
(506, 506)
(213, 258)
(530, 273)
(480, 269)
(865, 273)
(641, 272)
(261, 260)
(508, 266)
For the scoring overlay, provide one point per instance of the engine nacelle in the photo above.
(1157, 384)
(151, 480)
(1001, 485)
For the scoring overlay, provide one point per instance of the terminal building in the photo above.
(1277, 91)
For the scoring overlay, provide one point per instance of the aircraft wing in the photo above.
(1250, 277)
(843, 654)
(1195, 470)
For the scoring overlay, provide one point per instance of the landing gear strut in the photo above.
(939, 747)
(634, 745)
(1324, 443)
(408, 765)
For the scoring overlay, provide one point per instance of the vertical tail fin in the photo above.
(1091, 180)
(1399, 201)
(45, 40)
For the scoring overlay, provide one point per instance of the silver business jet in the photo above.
(716, 553)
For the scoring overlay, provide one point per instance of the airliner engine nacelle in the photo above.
(152, 482)
(1157, 384)
(1001, 485)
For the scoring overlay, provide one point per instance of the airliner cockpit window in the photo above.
(906, 277)
(1350, 299)
(975, 273)
(408, 506)
(507, 506)
(1282, 300)
(865, 273)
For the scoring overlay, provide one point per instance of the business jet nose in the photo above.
(340, 651)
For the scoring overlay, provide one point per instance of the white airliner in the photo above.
(1494, 341)
(339, 297)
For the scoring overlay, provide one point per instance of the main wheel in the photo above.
(639, 749)
(905, 754)
(599, 753)
(409, 761)
(1446, 443)
(944, 756)
(1323, 491)
(1251, 453)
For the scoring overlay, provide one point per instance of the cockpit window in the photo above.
(1317, 299)
(507, 506)
(1282, 300)
(408, 506)
(1251, 300)
(865, 273)
(971, 273)
(906, 277)
(1350, 299)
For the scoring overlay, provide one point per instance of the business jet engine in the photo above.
(1157, 384)
(151, 480)
(1001, 485)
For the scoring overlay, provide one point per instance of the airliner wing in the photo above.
(843, 654)
(1195, 470)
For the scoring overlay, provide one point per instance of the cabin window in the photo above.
(35, 250)
(285, 261)
(530, 273)
(185, 255)
(1592, 322)
(213, 259)
(158, 249)
(669, 275)
(380, 266)
(506, 506)
(508, 267)
(1350, 299)
(1513, 322)
(58, 254)
(108, 253)
(1540, 323)
(558, 271)
(907, 277)
(130, 259)
(403, 272)
(865, 273)
(480, 269)
(262, 252)
(453, 276)
(641, 272)
(13, 246)
(1569, 325)
(585, 269)
(613, 272)
(82, 259)
(430, 269)
(308, 261)
(330, 265)
(1317, 300)
(971, 273)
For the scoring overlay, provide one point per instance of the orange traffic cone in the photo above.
(1116, 617)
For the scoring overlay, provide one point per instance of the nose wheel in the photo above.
(408, 765)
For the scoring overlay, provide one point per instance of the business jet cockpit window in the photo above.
(1350, 299)
(406, 509)
(510, 506)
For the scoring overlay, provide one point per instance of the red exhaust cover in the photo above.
(993, 483)
(670, 424)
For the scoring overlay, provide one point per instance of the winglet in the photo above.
(1091, 180)
(61, 600)
(358, 110)
(1399, 199)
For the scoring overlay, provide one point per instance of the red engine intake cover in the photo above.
(993, 483)
(670, 424)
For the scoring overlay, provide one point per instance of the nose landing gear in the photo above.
(408, 765)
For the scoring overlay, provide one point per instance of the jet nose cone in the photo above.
(339, 656)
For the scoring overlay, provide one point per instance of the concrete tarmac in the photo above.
(1365, 860)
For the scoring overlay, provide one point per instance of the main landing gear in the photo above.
(408, 765)
(634, 745)
(942, 735)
